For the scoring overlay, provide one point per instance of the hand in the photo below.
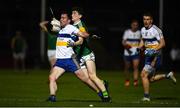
(70, 44)
(127, 46)
(138, 50)
(129, 51)
(95, 37)
(55, 22)
(150, 52)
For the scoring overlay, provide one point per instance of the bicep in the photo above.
(82, 34)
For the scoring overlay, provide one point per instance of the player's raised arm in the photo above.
(43, 25)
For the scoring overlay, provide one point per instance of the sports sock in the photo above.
(105, 94)
(100, 94)
(146, 95)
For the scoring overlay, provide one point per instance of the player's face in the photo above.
(76, 16)
(134, 26)
(64, 20)
(147, 21)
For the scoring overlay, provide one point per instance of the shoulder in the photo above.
(157, 29)
(127, 31)
(138, 32)
(142, 29)
(70, 27)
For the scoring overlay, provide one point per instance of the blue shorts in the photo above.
(70, 64)
(130, 58)
(149, 59)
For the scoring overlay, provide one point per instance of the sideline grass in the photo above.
(20, 89)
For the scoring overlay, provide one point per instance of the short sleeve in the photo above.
(73, 29)
(125, 35)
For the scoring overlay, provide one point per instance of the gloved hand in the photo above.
(138, 50)
(129, 51)
(150, 52)
(55, 22)
(70, 44)
(56, 26)
(127, 46)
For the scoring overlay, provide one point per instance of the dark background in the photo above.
(107, 18)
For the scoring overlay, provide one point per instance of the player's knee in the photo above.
(85, 79)
(143, 75)
(52, 78)
(151, 79)
(135, 67)
(81, 76)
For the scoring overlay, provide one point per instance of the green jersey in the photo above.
(51, 41)
(84, 49)
(19, 44)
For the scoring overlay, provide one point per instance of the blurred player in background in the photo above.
(153, 41)
(87, 57)
(131, 40)
(19, 45)
(51, 52)
(66, 60)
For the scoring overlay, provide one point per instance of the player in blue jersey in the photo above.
(131, 40)
(153, 41)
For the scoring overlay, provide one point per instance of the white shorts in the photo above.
(83, 59)
(19, 55)
(149, 69)
(51, 54)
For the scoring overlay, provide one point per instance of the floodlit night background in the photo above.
(107, 19)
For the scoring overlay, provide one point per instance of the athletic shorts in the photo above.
(70, 64)
(83, 59)
(19, 55)
(149, 68)
(131, 58)
(51, 54)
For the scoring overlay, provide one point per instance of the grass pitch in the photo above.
(29, 90)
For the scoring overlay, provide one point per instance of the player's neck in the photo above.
(133, 30)
(149, 27)
(76, 22)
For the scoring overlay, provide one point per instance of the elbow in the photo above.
(85, 35)
(164, 44)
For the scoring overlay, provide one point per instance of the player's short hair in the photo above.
(148, 14)
(134, 20)
(67, 13)
(79, 10)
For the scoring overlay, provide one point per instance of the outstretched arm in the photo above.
(82, 34)
(43, 25)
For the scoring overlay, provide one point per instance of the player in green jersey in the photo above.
(87, 57)
(19, 46)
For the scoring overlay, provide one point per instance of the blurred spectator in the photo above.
(19, 45)
(175, 55)
(131, 39)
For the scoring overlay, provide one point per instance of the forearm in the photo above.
(161, 44)
(79, 42)
(43, 25)
(83, 34)
(141, 44)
